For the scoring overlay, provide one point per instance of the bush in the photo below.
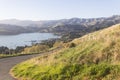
(71, 45)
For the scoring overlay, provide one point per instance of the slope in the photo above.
(6, 29)
(93, 57)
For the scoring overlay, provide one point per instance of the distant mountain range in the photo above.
(80, 26)
(6, 29)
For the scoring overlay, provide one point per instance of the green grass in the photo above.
(8, 55)
(13, 55)
(96, 58)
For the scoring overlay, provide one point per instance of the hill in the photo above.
(6, 29)
(92, 57)
(68, 28)
(64, 27)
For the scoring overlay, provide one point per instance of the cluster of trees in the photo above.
(6, 50)
(26, 50)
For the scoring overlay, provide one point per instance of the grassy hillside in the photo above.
(95, 56)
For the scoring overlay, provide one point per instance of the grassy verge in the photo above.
(14, 55)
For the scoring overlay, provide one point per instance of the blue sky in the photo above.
(57, 9)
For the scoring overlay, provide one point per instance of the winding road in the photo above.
(7, 63)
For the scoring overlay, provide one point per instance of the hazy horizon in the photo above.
(58, 19)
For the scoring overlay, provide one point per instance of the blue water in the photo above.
(12, 41)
